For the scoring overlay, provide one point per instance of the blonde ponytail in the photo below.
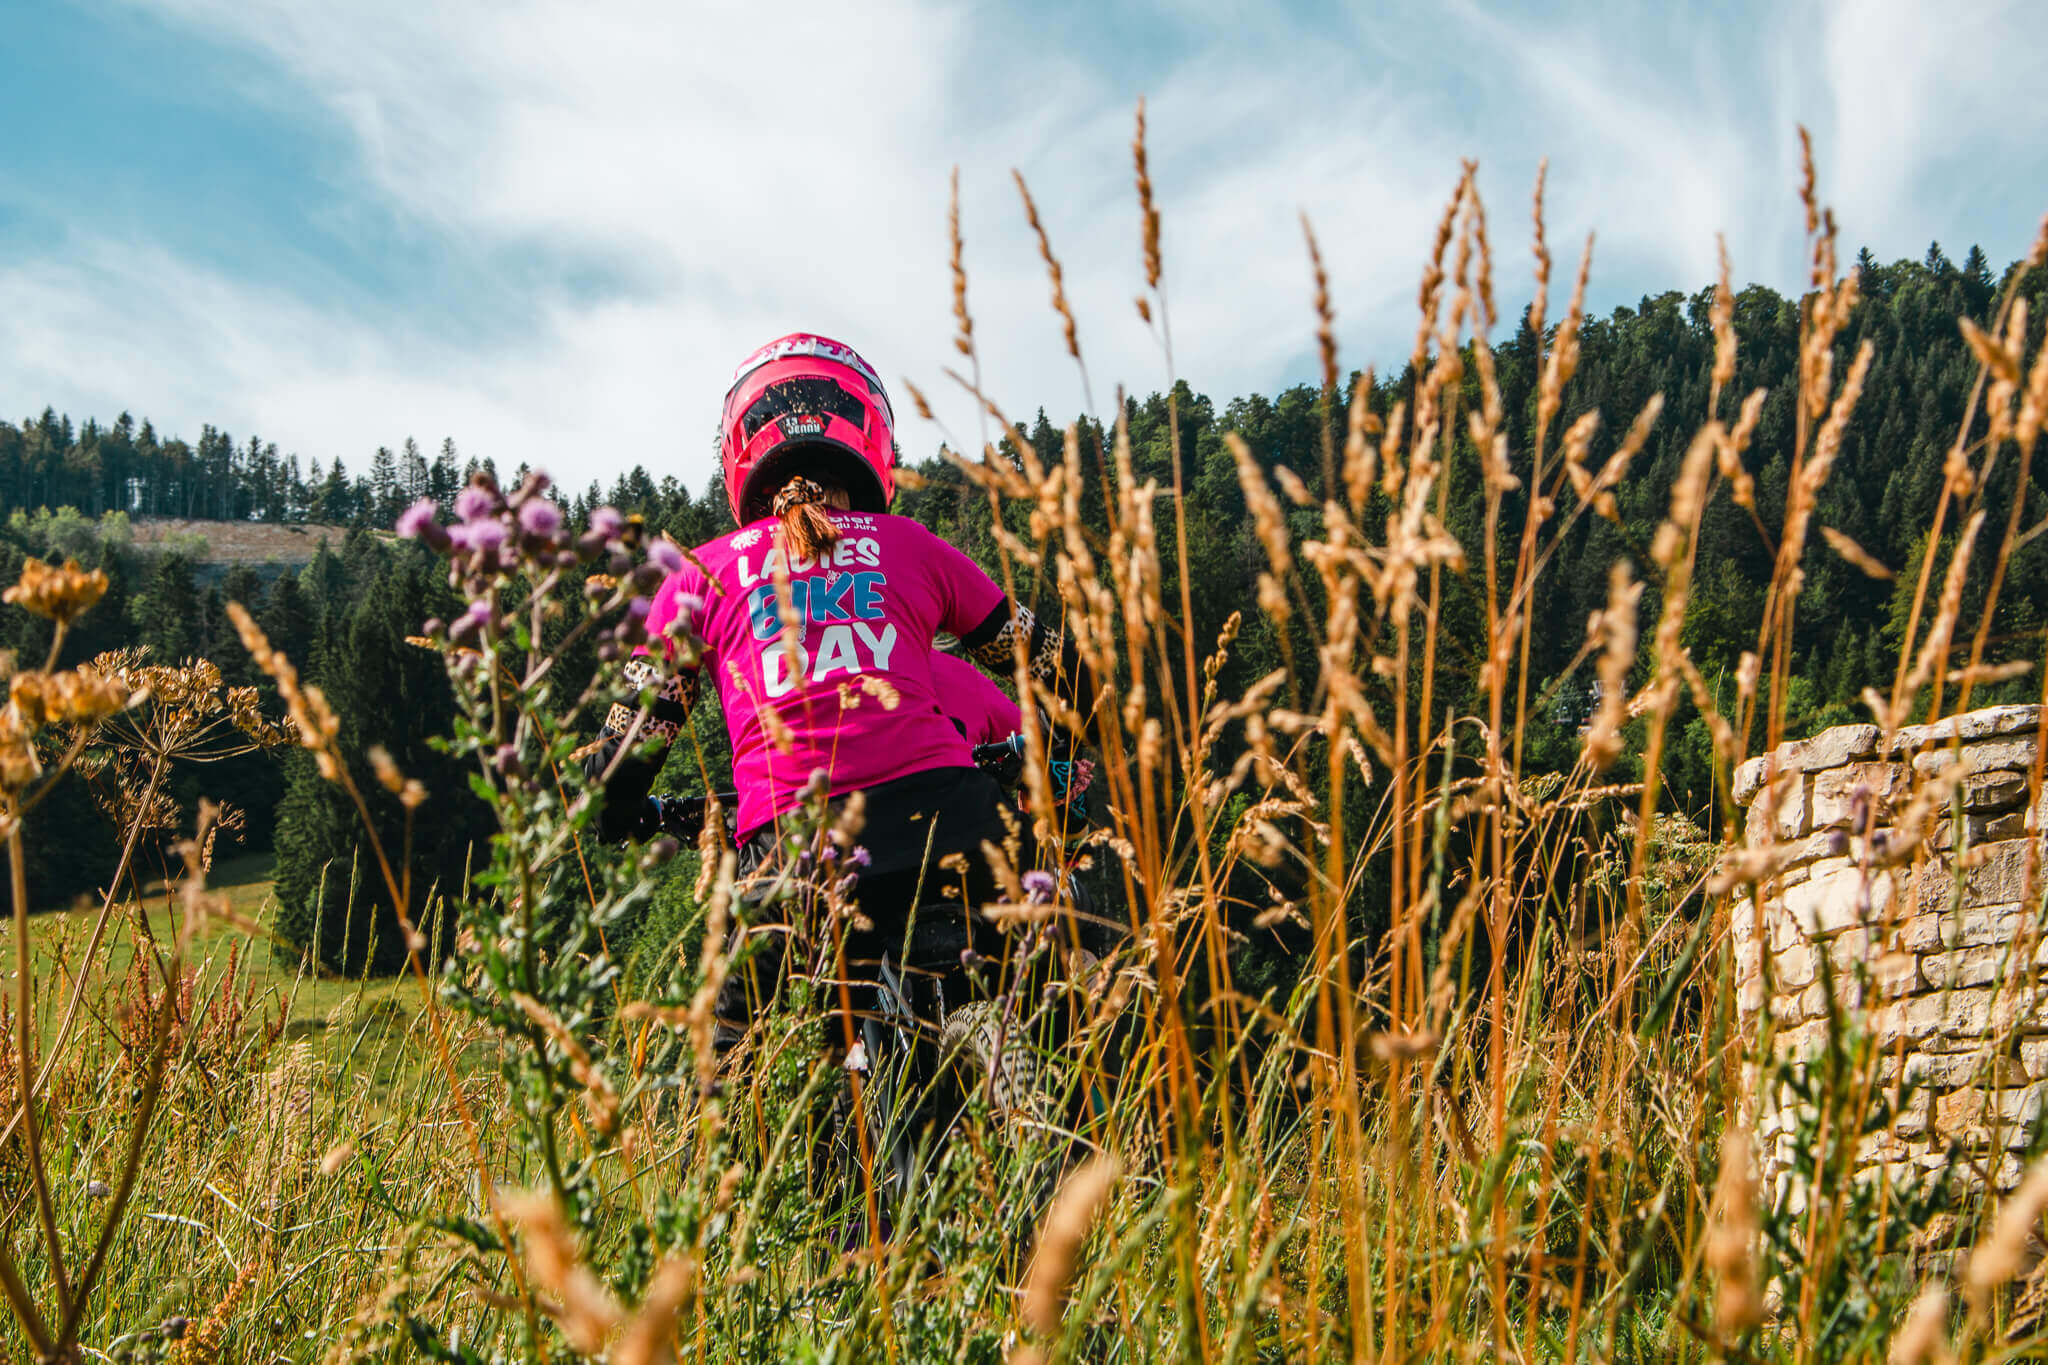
(807, 533)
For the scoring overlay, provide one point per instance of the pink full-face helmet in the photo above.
(802, 404)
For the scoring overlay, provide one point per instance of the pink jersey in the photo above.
(868, 611)
(974, 701)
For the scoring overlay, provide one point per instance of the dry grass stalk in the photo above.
(1722, 315)
(1326, 317)
(1614, 630)
(600, 1098)
(1934, 649)
(1148, 211)
(1052, 268)
(1563, 361)
(2003, 1252)
(585, 1310)
(1362, 425)
(1269, 522)
(1539, 302)
(317, 724)
(1922, 1338)
(202, 1344)
(1060, 1238)
(1855, 554)
(963, 321)
(650, 1337)
(1732, 1241)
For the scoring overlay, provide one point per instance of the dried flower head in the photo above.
(58, 593)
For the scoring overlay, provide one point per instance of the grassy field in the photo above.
(358, 1023)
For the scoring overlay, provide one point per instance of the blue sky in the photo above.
(547, 228)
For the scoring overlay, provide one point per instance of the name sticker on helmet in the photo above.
(803, 426)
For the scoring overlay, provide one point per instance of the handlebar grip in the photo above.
(683, 816)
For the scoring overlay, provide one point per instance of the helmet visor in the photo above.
(805, 397)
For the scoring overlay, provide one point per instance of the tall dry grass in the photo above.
(1512, 1125)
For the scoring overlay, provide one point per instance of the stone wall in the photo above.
(1935, 943)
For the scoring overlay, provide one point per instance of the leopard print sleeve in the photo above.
(1051, 657)
(670, 711)
(629, 777)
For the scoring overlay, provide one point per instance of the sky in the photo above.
(549, 228)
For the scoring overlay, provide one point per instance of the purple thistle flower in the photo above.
(689, 606)
(540, 518)
(475, 502)
(470, 625)
(486, 534)
(605, 522)
(1039, 886)
(663, 554)
(419, 521)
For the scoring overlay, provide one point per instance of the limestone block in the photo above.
(1818, 847)
(1977, 829)
(1999, 878)
(1914, 1115)
(1895, 973)
(1982, 724)
(1934, 929)
(1851, 945)
(1842, 795)
(1827, 905)
(1992, 792)
(1919, 1019)
(2011, 1111)
(1749, 991)
(1968, 966)
(1749, 778)
(1828, 749)
(1951, 1071)
(1779, 813)
(1987, 755)
(1794, 968)
(1781, 930)
(2034, 1058)
(1742, 921)
(1808, 1040)
(1749, 955)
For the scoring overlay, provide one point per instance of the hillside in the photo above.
(229, 543)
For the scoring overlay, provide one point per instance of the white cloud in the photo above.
(1931, 113)
(735, 172)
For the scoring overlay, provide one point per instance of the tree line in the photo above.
(345, 615)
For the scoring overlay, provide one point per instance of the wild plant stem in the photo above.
(77, 997)
(31, 1130)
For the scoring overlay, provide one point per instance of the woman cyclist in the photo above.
(814, 621)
